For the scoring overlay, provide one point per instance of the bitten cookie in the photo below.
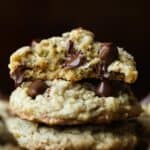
(35, 136)
(63, 102)
(73, 56)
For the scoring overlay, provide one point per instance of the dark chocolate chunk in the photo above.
(108, 53)
(74, 61)
(89, 86)
(104, 88)
(101, 70)
(36, 87)
(70, 48)
(18, 75)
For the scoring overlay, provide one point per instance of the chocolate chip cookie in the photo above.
(35, 136)
(73, 56)
(7, 141)
(63, 102)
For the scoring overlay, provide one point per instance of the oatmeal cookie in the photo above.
(63, 102)
(35, 136)
(73, 56)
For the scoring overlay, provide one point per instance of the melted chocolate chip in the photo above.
(70, 48)
(101, 70)
(104, 89)
(108, 53)
(18, 75)
(36, 87)
(74, 61)
(73, 58)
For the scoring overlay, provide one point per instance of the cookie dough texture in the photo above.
(5, 136)
(144, 118)
(44, 60)
(3, 109)
(144, 131)
(34, 136)
(9, 147)
(71, 103)
(7, 141)
(146, 109)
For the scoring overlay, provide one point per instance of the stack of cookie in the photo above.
(7, 142)
(72, 94)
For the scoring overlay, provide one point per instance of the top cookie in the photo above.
(73, 56)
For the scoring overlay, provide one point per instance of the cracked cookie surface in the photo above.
(35, 136)
(63, 102)
(73, 56)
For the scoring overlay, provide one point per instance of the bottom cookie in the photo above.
(35, 136)
(9, 147)
(144, 121)
(7, 141)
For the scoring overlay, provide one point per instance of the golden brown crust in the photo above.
(36, 136)
(105, 118)
(72, 103)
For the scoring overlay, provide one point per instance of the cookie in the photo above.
(7, 141)
(74, 56)
(35, 136)
(63, 102)
(9, 147)
(144, 132)
(144, 120)
(5, 136)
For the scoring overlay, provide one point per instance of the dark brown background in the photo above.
(124, 22)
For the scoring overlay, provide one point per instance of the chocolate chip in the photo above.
(74, 61)
(70, 48)
(101, 70)
(104, 89)
(36, 87)
(108, 53)
(18, 75)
